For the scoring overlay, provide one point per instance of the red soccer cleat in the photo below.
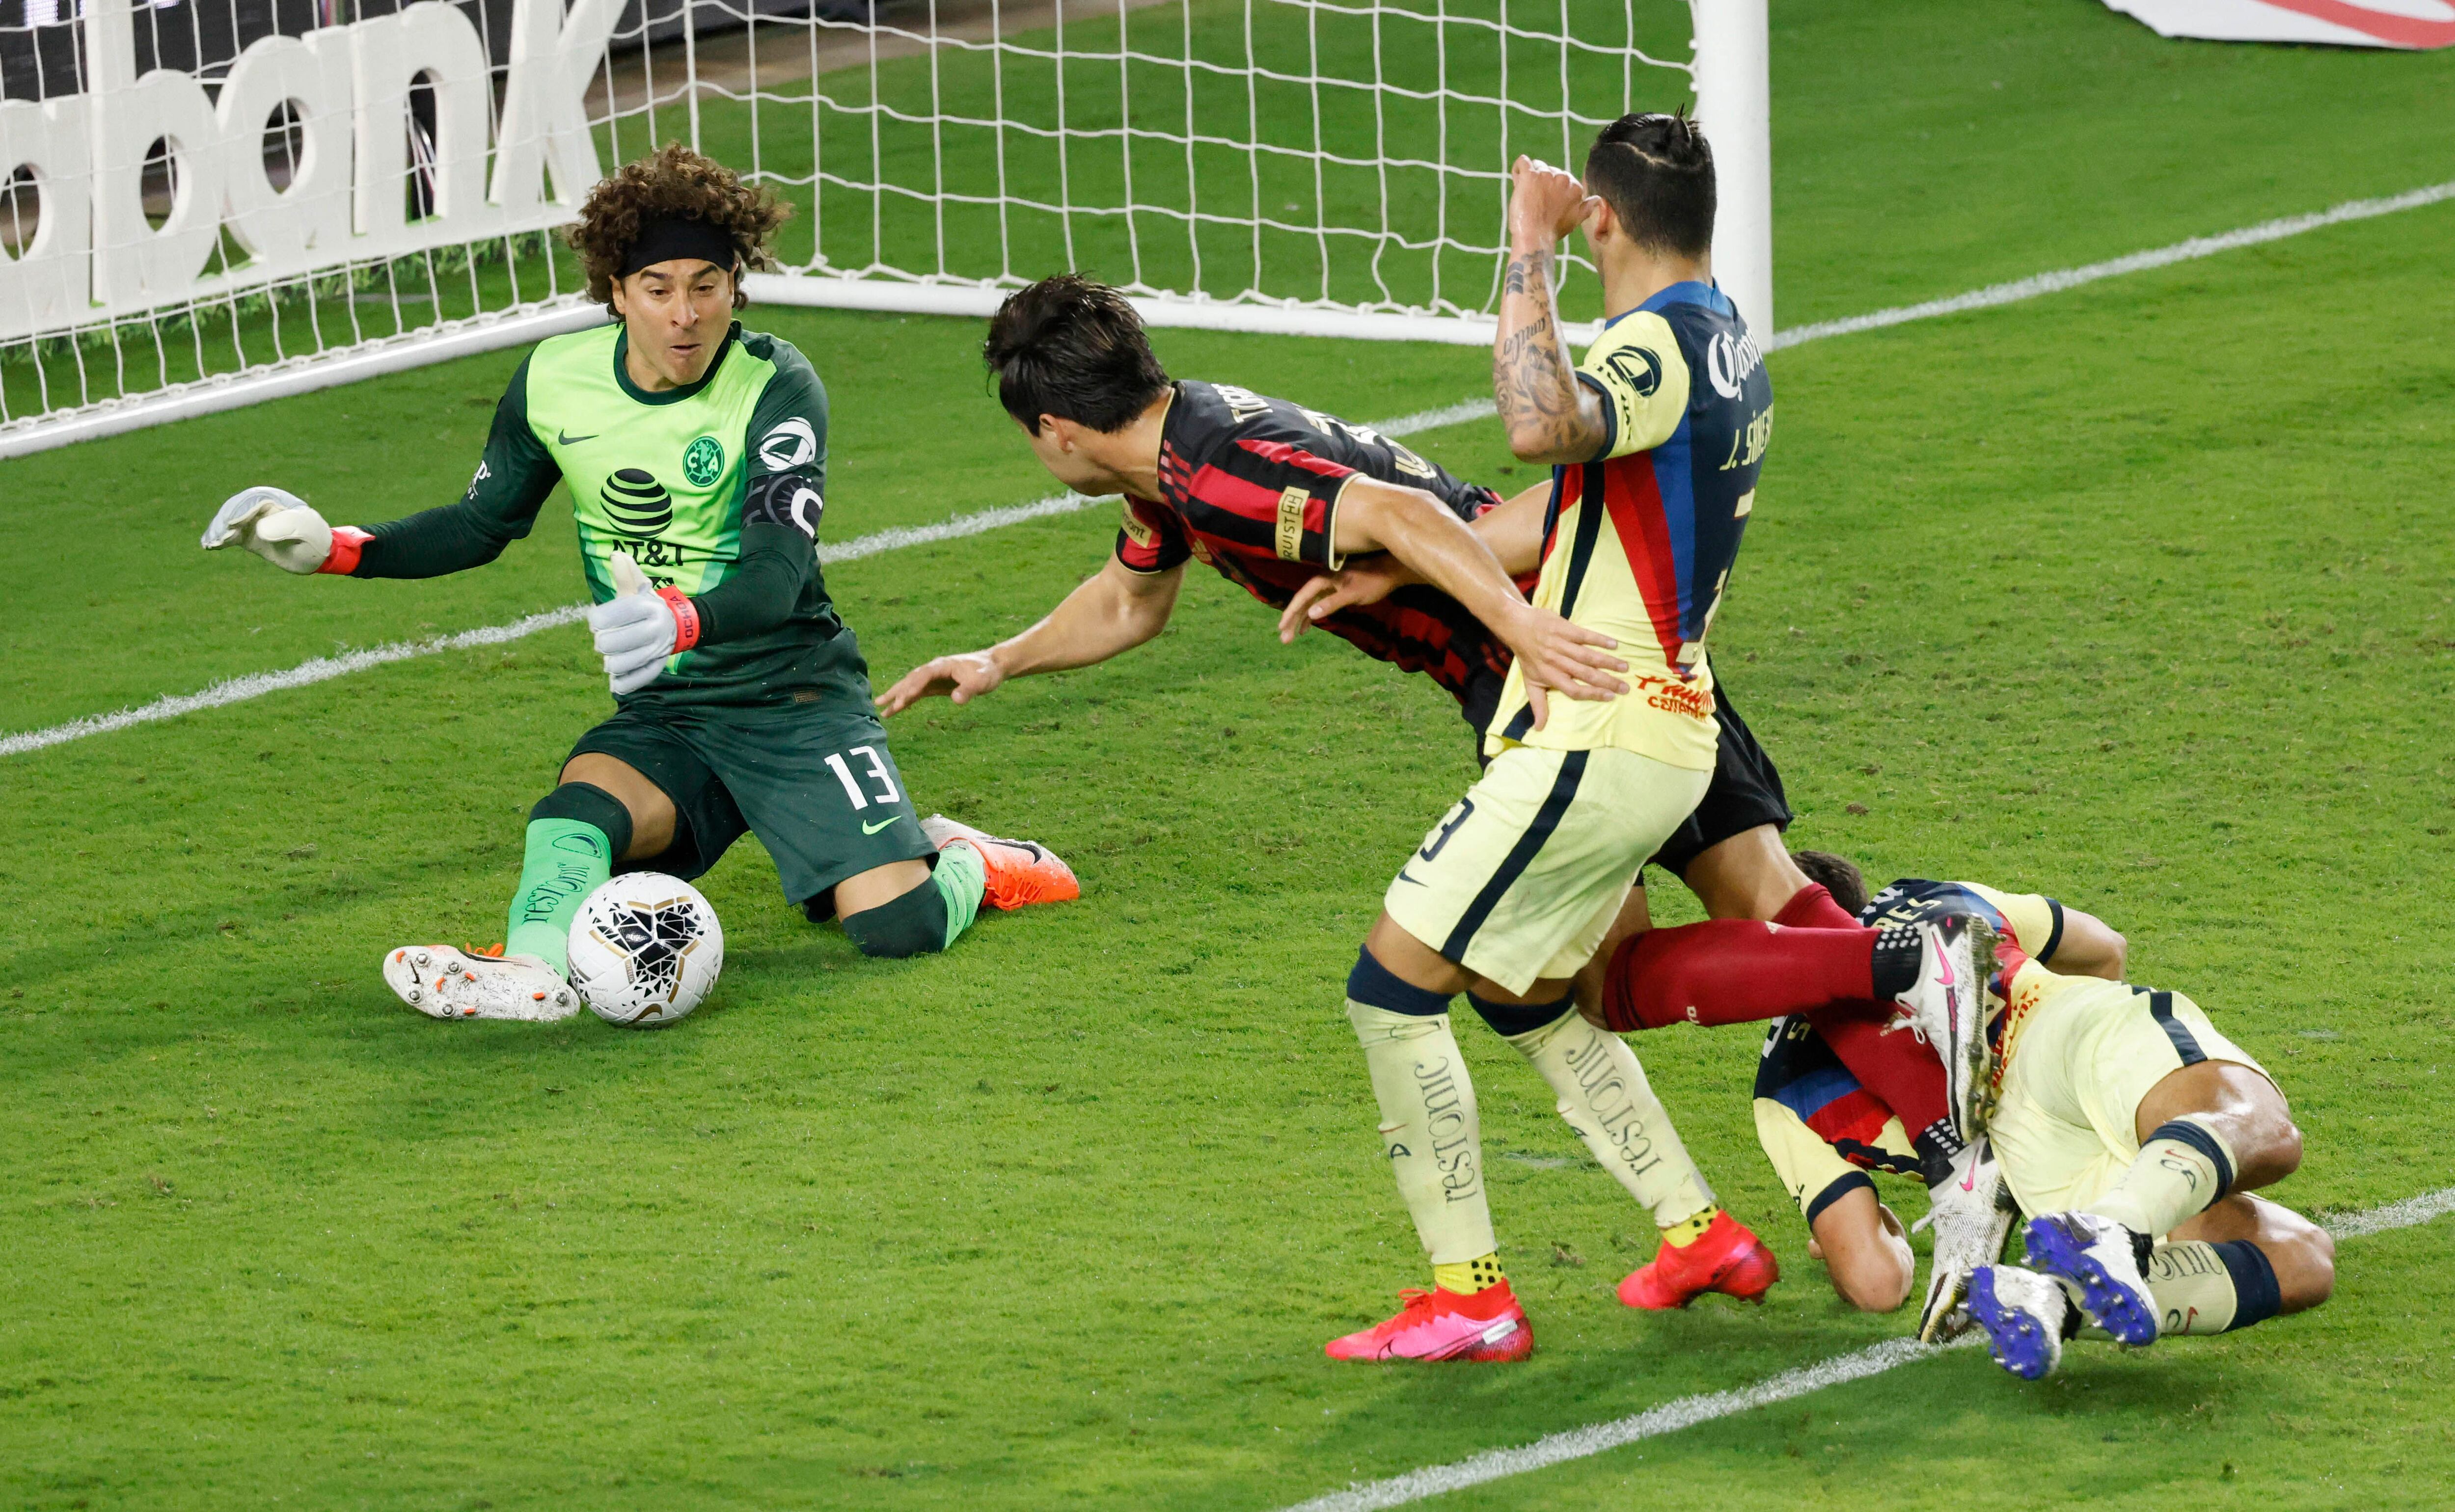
(1440, 1324)
(1020, 873)
(1726, 1258)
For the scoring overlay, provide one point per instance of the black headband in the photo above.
(668, 237)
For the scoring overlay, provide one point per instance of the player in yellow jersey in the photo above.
(2131, 1132)
(1656, 442)
(2117, 1117)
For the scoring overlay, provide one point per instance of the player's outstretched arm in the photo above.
(1115, 610)
(499, 507)
(1513, 530)
(1412, 525)
(276, 525)
(1551, 416)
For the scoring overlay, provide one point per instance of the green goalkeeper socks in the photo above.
(961, 878)
(567, 860)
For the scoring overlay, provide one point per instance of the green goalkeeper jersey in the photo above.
(715, 489)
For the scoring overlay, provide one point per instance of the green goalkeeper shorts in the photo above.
(815, 782)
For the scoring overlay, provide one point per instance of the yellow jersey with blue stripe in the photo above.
(1638, 542)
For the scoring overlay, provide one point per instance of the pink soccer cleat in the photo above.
(1727, 1258)
(1440, 1324)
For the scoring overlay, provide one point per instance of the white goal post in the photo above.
(208, 203)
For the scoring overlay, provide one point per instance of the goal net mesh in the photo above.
(382, 185)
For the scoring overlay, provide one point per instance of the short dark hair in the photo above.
(1837, 874)
(1072, 348)
(1656, 173)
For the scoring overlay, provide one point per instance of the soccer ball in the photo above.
(645, 949)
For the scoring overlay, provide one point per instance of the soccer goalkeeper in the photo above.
(696, 454)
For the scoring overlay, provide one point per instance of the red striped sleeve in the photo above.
(1634, 504)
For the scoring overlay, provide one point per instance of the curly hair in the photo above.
(673, 180)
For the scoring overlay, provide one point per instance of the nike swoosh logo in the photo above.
(561, 439)
(873, 829)
(1417, 881)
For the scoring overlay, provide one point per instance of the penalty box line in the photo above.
(323, 669)
(1686, 1411)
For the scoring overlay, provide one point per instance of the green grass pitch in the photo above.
(2143, 595)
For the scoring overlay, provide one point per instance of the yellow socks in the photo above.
(2203, 1288)
(1465, 1278)
(1689, 1230)
(1604, 1096)
(2185, 1165)
(1428, 1128)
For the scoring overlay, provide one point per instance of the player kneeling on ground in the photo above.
(694, 453)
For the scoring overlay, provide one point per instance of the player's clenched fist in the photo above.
(276, 525)
(1544, 203)
(962, 677)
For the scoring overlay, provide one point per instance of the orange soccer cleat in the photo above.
(1020, 873)
(1727, 1258)
(1440, 1324)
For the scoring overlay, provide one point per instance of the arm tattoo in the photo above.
(1533, 380)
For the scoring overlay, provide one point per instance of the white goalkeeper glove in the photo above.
(279, 527)
(639, 627)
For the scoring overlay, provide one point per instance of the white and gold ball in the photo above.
(645, 950)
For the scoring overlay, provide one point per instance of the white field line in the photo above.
(2180, 252)
(255, 685)
(323, 669)
(238, 690)
(1686, 1412)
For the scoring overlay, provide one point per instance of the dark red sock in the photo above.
(1811, 907)
(1897, 1067)
(1730, 971)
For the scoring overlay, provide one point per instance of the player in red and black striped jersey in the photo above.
(1268, 493)
(1240, 484)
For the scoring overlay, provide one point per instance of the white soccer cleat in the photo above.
(1972, 1217)
(2103, 1261)
(2026, 1316)
(443, 982)
(1947, 1007)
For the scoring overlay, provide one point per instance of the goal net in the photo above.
(208, 202)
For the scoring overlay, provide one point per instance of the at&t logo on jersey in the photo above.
(1730, 360)
(635, 502)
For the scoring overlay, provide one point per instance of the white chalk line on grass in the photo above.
(255, 685)
(1686, 1411)
(238, 690)
(2180, 252)
(323, 669)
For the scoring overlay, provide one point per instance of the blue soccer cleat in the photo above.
(2026, 1316)
(2102, 1259)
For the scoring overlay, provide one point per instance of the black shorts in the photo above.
(1745, 793)
(814, 781)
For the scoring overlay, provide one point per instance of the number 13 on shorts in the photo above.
(874, 778)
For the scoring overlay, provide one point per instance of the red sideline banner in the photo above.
(2409, 24)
